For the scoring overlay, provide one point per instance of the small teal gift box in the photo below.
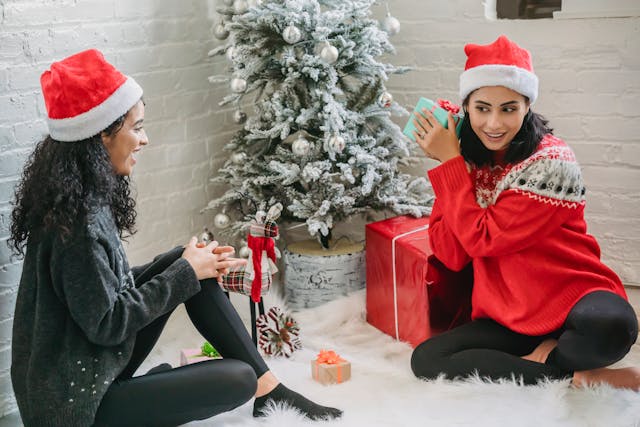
(440, 109)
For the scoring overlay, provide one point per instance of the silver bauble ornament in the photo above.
(329, 53)
(291, 34)
(255, 3)
(391, 25)
(238, 158)
(336, 143)
(385, 100)
(228, 2)
(240, 6)
(220, 32)
(301, 146)
(244, 252)
(238, 85)
(231, 51)
(239, 117)
(221, 220)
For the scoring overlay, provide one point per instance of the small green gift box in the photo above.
(440, 109)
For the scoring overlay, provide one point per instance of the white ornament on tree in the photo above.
(240, 6)
(244, 252)
(385, 100)
(238, 85)
(336, 143)
(291, 34)
(231, 51)
(238, 158)
(329, 53)
(391, 25)
(301, 146)
(220, 31)
(239, 117)
(255, 3)
(221, 220)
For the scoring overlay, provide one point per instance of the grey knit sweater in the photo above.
(76, 317)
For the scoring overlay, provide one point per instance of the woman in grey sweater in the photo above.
(84, 321)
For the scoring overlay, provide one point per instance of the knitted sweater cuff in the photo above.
(450, 176)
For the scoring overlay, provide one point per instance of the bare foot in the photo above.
(618, 377)
(266, 383)
(542, 351)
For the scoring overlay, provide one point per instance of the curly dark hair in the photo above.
(524, 144)
(62, 182)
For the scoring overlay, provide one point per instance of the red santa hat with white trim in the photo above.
(84, 94)
(501, 63)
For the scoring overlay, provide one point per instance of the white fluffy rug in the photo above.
(384, 392)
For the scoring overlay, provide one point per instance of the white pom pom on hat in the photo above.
(84, 94)
(501, 63)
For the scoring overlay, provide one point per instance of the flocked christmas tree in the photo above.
(320, 139)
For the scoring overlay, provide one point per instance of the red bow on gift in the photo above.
(257, 245)
(329, 357)
(448, 105)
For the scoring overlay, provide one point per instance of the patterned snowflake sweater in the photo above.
(523, 227)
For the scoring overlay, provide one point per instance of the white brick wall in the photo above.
(590, 82)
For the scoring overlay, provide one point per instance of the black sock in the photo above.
(282, 395)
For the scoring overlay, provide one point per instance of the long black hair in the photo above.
(62, 182)
(524, 144)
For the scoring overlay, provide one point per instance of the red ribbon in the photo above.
(257, 245)
(448, 105)
(329, 357)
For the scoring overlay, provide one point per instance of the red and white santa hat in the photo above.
(84, 94)
(501, 63)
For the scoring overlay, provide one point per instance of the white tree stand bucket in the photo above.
(314, 276)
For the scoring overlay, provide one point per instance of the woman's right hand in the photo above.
(211, 260)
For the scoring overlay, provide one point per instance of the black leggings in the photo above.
(193, 392)
(600, 330)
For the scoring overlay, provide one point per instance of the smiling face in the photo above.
(123, 145)
(496, 114)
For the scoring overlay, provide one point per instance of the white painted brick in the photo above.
(6, 189)
(620, 179)
(613, 128)
(5, 332)
(197, 127)
(164, 132)
(11, 47)
(157, 83)
(24, 78)
(11, 162)
(608, 81)
(7, 138)
(25, 14)
(27, 134)
(17, 108)
(568, 129)
(7, 303)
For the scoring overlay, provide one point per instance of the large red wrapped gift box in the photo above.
(411, 295)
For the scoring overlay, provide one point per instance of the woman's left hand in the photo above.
(437, 142)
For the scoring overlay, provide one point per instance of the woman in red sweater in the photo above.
(510, 199)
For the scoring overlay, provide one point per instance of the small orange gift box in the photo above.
(330, 368)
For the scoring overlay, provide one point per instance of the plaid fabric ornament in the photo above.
(255, 278)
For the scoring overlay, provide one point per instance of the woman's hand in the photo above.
(437, 142)
(211, 260)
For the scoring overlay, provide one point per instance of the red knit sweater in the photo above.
(523, 227)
